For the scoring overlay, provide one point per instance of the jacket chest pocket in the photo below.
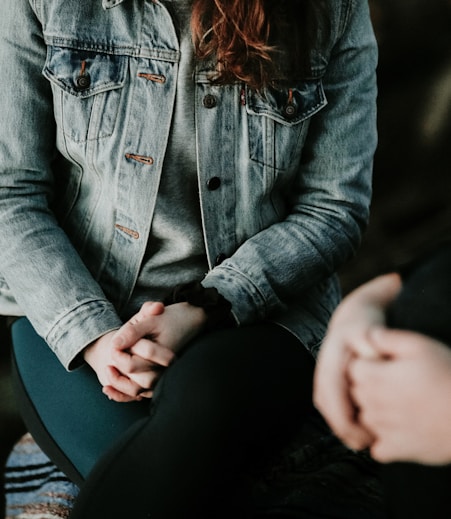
(87, 90)
(278, 121)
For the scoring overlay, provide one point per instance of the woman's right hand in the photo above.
(134, 379)
(148, 343)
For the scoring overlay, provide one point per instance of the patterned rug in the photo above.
(316, 477)
(34, 487)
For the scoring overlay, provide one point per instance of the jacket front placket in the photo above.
(150, 104)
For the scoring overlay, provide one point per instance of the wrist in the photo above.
(90, 352)
(214, 308)
(198, 315)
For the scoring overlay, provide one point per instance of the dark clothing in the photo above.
(226, 404)
(424, 304)
(416, 491)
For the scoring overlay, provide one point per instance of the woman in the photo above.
(180, 181)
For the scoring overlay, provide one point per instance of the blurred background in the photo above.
(411, 208)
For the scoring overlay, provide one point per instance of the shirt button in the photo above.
(210, 101)
(220, 258)
(213, 183)
(83, 82)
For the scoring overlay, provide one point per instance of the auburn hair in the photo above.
(257, 41)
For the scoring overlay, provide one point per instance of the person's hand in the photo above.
(148, 342)
(404, 397)
(346, 338)
(117, 382)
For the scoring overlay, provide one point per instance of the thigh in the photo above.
(66, 412)
(254, 377)
(241, 386)
(230, 400)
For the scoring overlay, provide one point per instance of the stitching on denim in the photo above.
(156, 78)
(140, 158)
(130, 232)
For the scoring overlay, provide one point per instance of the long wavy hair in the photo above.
(257, 41)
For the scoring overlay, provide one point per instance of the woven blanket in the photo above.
(34, 487)
(316, 477)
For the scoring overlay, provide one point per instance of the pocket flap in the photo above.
(84, 73)
(287, 106)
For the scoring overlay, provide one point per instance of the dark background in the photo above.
(411, 208)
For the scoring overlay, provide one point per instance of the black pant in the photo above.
(230, 400)
(415, 491)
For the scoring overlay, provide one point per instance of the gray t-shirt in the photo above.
(176, 252)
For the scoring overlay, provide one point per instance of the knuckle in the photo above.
(132, 391)
(151, 349)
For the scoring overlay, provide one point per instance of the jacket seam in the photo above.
(36, 6)
(345, 15)
(134, 51)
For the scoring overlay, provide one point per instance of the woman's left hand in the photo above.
(137, 343)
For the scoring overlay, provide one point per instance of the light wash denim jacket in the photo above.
(86, 100)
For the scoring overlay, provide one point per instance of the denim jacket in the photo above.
(87, 96)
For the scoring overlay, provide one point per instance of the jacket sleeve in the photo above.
(331, 195)
(44, 272)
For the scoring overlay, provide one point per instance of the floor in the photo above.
(11, 426)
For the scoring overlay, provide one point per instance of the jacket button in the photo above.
(83, 82)
(290, 111)
(220, 258)
(213, 183)
(210, 101)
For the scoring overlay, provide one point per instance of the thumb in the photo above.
(138, 326)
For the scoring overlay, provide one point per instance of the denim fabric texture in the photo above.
(87, 98)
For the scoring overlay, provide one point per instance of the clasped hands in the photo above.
(128, 362)
(383, 389)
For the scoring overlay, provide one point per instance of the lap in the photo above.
(243, 372)
(71, 407)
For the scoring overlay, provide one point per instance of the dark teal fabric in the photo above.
(68, 407)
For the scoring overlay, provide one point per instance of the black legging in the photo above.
(226, 404)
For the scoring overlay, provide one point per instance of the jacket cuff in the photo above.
(80, 327)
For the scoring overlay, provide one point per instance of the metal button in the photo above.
(213, 183)
(290, 111)
(210, 101)
(83, 82)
